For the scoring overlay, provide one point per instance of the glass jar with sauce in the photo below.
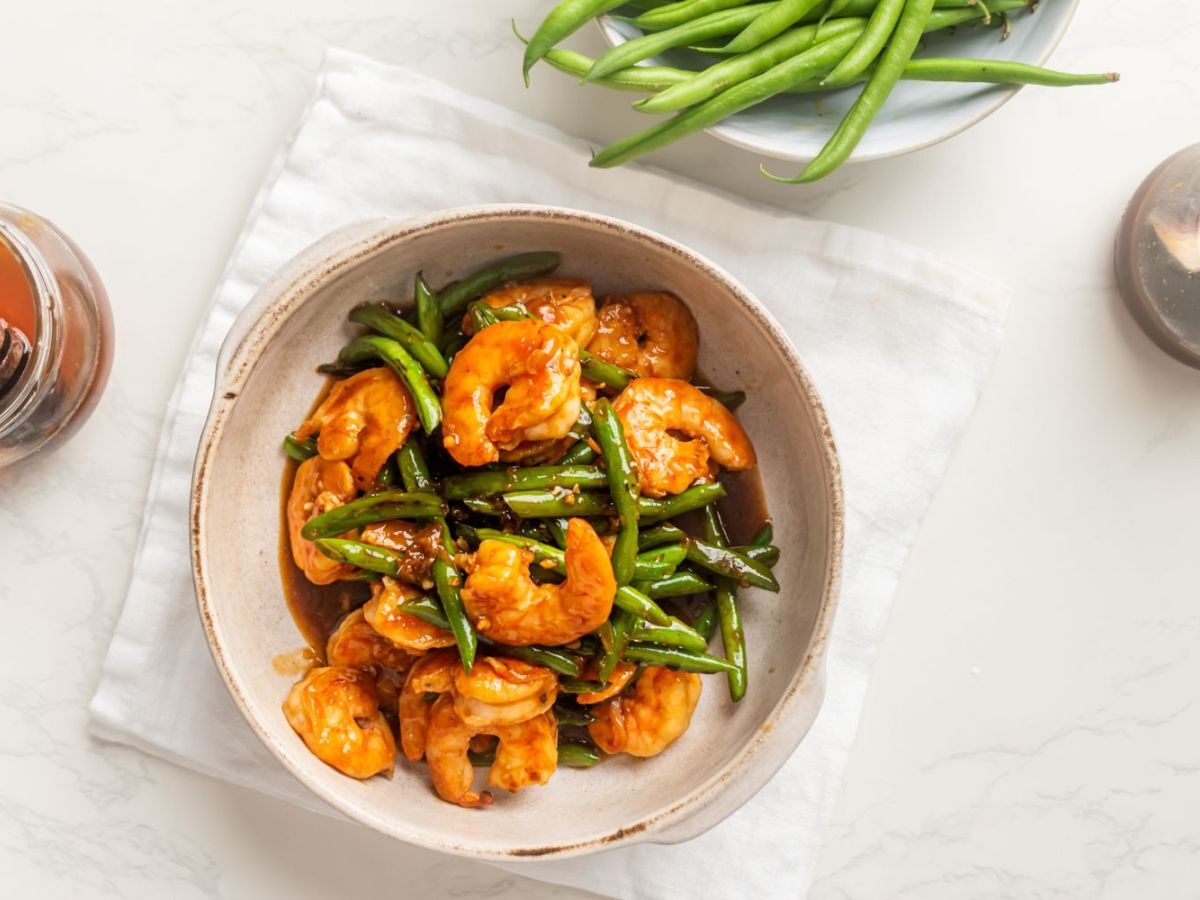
(55, 335)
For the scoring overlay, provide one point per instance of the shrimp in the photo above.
(418, 543)
(505, 604)
(403, 629)
(565, 302)
(653, 334)
(654, 410)
(616, 682)
(538, 363)
(432, 674)
(319, 486)
(647, 721)
(366, 417)
(335, 711)
(354, 644)
(502, 691)
(527, 754)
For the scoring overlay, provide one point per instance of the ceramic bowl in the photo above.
(266, 381)
(916, 115)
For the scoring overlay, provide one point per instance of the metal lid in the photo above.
(1158, 256)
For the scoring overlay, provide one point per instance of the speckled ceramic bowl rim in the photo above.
(289, 289)
(1003, 95)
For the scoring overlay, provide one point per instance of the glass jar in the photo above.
(52, 297)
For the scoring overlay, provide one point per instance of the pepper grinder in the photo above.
(1158, 256)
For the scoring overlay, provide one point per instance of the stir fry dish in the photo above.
(504, 533)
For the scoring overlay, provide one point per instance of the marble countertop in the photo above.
(1031, 728)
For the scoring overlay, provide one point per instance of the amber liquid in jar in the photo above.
(16, 297)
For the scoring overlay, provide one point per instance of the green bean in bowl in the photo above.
(504, 516)
(818, 81)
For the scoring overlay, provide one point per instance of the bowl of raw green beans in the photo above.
(272, 366)
(819, 82)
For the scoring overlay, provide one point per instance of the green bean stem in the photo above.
(400, 361)
(429, 313)
(564, 20)
(772, 22)
(386, 322)
(675, 658)
(609, 433)
(764, 536)
(489, 484)
(454, 298)
(379, 507)
(299, 450)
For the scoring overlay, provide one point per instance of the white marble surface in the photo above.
(1031, 729)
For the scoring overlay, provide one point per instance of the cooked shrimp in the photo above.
(505, 604)
(447, 741)
(646, 721)
(565, 302)
(366, 417)
(539, 365)
(403, 629)
(319, 486)
(335, 711)
(432, 674)
(527, 753)
(655, 410)
(616, 683)
(653, 334)
(502, 691)
(418, 543)
(354, 644)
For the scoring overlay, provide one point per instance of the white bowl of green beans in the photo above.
(816, 81)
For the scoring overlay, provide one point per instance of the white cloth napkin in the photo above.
(898, 343)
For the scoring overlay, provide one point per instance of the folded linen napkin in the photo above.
(897, 342)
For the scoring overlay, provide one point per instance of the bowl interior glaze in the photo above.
(267, 382)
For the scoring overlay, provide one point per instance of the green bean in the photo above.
(453, 345)
(635, 602)
(684, 11)
(580, 454)
(299, 450)
(485, 506)
(733, 632)
(414, 472)
(554, 658)
(400, 361)
(563, 21)
(606, 375)
(808, 64)
(427, 610)
(731, 400)
(723, 561)
(373, 508)
(579, 686)
(489, 484)
(661, 534)
(683, 583)
(371, 557)
(659, 562)
(575, 755)
(558, 532)
(342, 370)
(572, 715)
(675, 658)
(717, 78)
(765, 535)
(388, 473)
(697, 497)
(454, 298)
(387, 323)
(772, 22)
(707, 622)
(621, 623)
(870, 44)
(634, 78)
(429, 313)
(715, 24)
(622, 484)
(448, 580)
(481, 315)
(999, 72)
(677, 634)
(554, 559)
(866, 106)
(767, 554)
